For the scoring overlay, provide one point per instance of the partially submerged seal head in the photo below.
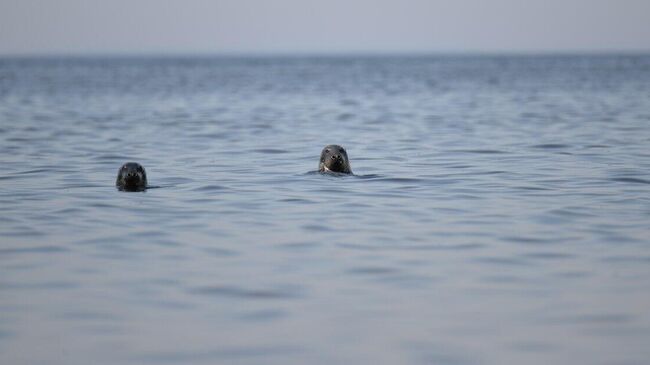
(334, 159)
(131, 177)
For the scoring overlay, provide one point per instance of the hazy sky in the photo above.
(305, 26)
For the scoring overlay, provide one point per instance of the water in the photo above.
(499, 212)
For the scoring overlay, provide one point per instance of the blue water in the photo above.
(499, 212)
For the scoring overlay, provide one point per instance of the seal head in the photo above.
(334, 159)
(131, 177)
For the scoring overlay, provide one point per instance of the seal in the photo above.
(334, 159)
(131, 177)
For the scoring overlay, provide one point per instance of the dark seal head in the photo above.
(131, 177)
(334, 159)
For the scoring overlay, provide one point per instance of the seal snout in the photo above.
(337, 158)
(132, 178)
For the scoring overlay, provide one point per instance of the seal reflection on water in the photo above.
(334, 159)
(131, 177)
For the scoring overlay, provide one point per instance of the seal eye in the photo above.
(327, 150)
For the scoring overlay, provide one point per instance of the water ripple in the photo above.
(244, 293)
(499, 203)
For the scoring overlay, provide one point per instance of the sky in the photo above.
(314, 27)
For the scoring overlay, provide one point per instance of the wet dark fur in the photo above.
(334, 158)
(131, 177)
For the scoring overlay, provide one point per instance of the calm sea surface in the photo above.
(499, 212)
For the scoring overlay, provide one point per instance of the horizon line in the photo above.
(326, 54)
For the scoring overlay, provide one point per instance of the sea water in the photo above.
(499, 211)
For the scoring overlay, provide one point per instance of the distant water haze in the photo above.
(335, 26)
